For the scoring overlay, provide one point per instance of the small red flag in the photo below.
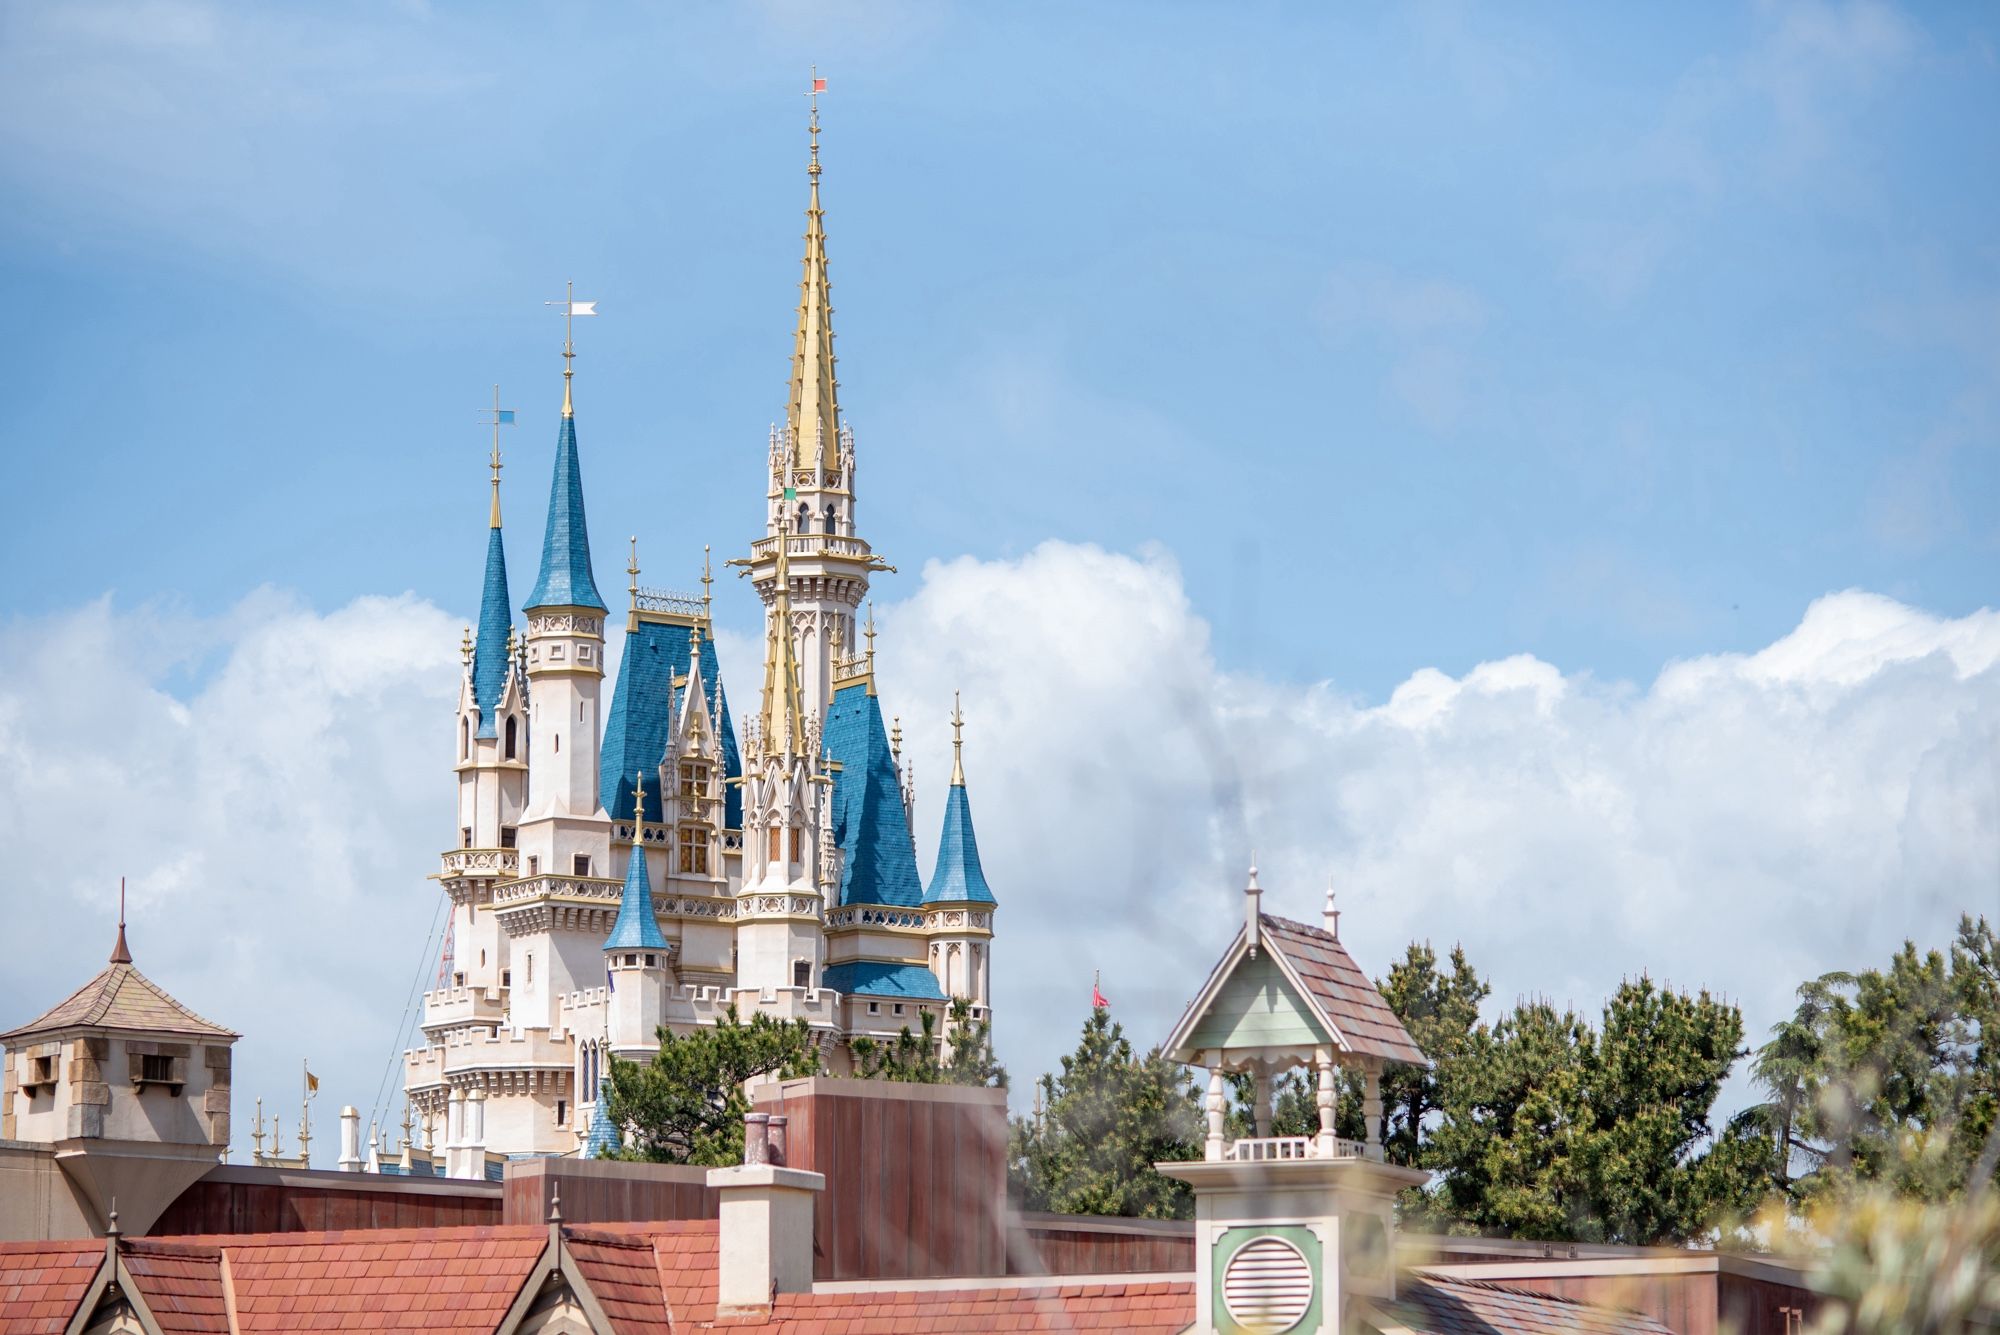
(1097, 999)
(819, 85)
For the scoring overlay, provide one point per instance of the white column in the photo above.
(473, 1163)
(1217, 1112)
(350, 1140)
(1323, 1059)
(454, 1132)
(1371, 1112)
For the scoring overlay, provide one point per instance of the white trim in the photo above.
(885, 1289)
(1177, 1041)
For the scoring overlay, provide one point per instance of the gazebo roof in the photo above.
(1295, 985)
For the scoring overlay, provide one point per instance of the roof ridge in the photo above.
(1494, 1286)
(1298, 926)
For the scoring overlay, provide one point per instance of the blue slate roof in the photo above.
(566, 580)
(957, 876)
(636, 928)
(868, 819)
(602, 1140)
(489, 651)
(644, 704)
(883, 978)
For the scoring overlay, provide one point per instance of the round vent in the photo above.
(1267, 1286)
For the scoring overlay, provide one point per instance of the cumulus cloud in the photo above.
(276, 783)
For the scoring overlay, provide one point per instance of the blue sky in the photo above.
(1538, 466)
(1418, 335)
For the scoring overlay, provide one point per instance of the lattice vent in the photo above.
(1267, 1286)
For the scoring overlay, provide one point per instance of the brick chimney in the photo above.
(766, 1242)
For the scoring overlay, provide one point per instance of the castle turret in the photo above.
(636, 957)
(958, 904)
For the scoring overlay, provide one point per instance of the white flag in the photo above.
(583, 308)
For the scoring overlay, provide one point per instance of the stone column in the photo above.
(1371, 1112)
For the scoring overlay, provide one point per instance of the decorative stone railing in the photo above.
(811, 544)
(874, 916)
(1271, 1149)
(561, 887)
(671, 601)
(482, 862)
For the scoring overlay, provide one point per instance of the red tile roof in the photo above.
(1433, 1305)
(181, 1285)
(42, 1282)
(439, 1280)
(1345, 993)
(624, 1273)
(1140, 1307)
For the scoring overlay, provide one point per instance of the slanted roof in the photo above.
(1317, 970)
(1433, 1305)
(181, 1286)
(565, 579)
(41, 1283)
(958, 877)
(883, 978)
(489, 651)
(644, 705)
(869, 823)
(122, 998)
(636, 927)
(602, 1140)
(624, 1276)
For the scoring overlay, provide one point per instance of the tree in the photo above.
(1106, 1119)
(1440, 1011)
(687, 1104)
(922, 1058)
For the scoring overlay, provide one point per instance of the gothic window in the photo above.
(693, 840)
(580, 864)
(795, 846)
(775, 834)
(465, 739)
(510, 738)
(805, 518)
(828, 528)
(694, 778)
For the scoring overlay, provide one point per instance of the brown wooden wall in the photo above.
(600, 1191)
(271, 1200)
(1759, 1307)
(1054, 1244)
(916, 1175)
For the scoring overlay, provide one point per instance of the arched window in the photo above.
(805, 518)
(829, 518)
(465, 739)
(511, 722)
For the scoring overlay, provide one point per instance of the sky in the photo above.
(1537, 467)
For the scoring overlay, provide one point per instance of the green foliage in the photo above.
(1888, 1077)
(687, 1104)
(1441, 1011)
(1106, 1119)
(921, 1059)
(1553, 1130)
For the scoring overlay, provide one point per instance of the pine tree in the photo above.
(921, 1059)
(687, 1104)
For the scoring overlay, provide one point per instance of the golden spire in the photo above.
(707, 584)
(814, 411)
(781, 669)
(571, 308)
(869, 635)
(957, 743)
(632, 572)
(501, 417)
(639, 808)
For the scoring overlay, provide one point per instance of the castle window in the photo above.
(531, 969)
(464, 739)
(458, 980)
(795, 845)
(562, 1112)
(652, 961)
(579, 864)
(465, 836)
(694, 778)
(534, 865)
(555, 653)
(874, 1008)
(693, 841)
(579, 711)
(775, 832)
(506, 836)
(155, 1069)
(899, 1008)
(44, 1071)
(510, 737)
(829, 518)
(558, 741)
(506, 978)
(802, 971)
(631, 961)
(583, 653)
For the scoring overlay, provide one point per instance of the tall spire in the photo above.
(637, 928)
(120, 952)
(565, 579)
(491, 654)
(783, 724)
(957, 743)
(814, 411)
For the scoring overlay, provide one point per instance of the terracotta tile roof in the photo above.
(684, 1253)
(1432, 1305)
(625, 1274)
(438, 1280)
(122, 998)
(1347, 995)
(181, 1285)
(42, 1282)
(1156, 1307)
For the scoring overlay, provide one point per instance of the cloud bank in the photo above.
(276, 784)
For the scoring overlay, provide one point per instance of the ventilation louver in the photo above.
(1267, 1286)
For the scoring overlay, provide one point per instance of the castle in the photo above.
(613, 871)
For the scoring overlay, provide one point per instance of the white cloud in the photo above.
(276, 783)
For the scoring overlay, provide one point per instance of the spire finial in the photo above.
(869, 633)
(465, 647)
(571, 308)
(957, 743)
(639, 808)
(632, 571)
(1329, 914)
(896, 740)
(501, 417)
(817, 87)
(1253, 897)
(555, 1202)
(121, 953)
(707, 583)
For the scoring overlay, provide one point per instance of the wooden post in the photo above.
(1323, 1058)
(1371, 1111)
(1218, 1104)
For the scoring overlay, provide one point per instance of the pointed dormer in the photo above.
(958, 904)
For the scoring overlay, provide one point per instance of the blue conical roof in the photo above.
(636, 928)
(489, 652)
(602, 1140)
(958, 878)
(880, 866)
(565, 579)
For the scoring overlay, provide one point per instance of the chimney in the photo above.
(766, 1245)
(350, 1140)
(472, 1163)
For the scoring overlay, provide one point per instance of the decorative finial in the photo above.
(501, 417)
(1253, 895)
(120, 952)
(707, 583)
(896, 740)
(571, 308)
(465, 647)
(870, 634)
(1328, 913)
(555, 1202)
(639, 808)
(112, 1230)
(633, 571)
(812, 99)
(833, 637)
(957, 743)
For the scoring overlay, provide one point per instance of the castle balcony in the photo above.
(810, 545)
(489, 862)
(592, 890)
(881, 917)
(1277, 1149)
(451, 1007)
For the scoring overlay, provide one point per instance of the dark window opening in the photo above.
(510, 739)
(156, 1069)
(465, 836)
(579, 864)
(802, 973)
(562, 1112)
(506, 836)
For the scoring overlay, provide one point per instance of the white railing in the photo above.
(481, 861)
(1270, 1149)
(811, 544)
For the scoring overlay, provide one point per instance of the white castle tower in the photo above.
(778, 876)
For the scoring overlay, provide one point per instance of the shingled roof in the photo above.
(1353, 1002)
(122, 998)
(1433, 1305)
